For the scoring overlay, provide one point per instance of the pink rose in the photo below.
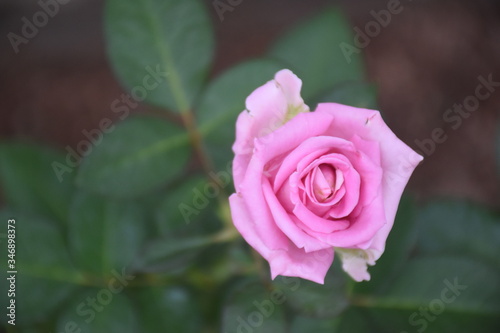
(309, 184)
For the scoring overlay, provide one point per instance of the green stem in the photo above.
(182, 102)
(176, 87)
(196, 140)
(206, 163)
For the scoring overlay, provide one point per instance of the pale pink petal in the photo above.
(311, 147)
(317, 223)
(288, 262)
(267, 109)
(246, 226)
(397, 159)
(352, 182)
(288, 227)
(292, 134)
(262, 220)
(290, 85)
(355, 263)
(296, 262)
(362, 228)
(240, 165)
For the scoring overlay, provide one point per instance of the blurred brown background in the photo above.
(427, 59)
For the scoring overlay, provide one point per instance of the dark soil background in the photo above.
(427, 59)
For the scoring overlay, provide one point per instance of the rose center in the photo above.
(326, 182)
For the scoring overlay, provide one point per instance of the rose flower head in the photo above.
(312, 184)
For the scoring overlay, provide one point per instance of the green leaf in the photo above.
(167, 309)
(170, 254)
(409, 321)
(351, 321)
(313, 51)
(457, 227)
(480, 294)
(250, 307)
(104, 235)
(438, 294)
(188, 208)
(357, 94)
(224, 100)
(316, 300)
(301, 324)
(45, 274)
(172, 37)
(354, 321)
(143, 153)
(186, 224)
(32, 329)
(99, 310)
(229, 261)
(456, 245)
(30, 183)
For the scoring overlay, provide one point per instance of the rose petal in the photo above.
(397, 159)
(317, 223)
(266, 109)
(290, 135)
(246, 226)
(290, 85)
(288, 227)
(351, 183)
(362, 228)
(263, 221)
(355, 263)
(296, 262)
(308, 146)
(288, 262)
(240, 164)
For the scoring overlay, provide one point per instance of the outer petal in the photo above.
(267, 109)
(244, 223)
(355, 263)
(240, 165)
(261, 219)
(291, 262)
(311, 266)
(293, 133)
(290, 85)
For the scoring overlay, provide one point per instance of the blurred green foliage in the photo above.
(138, 238)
